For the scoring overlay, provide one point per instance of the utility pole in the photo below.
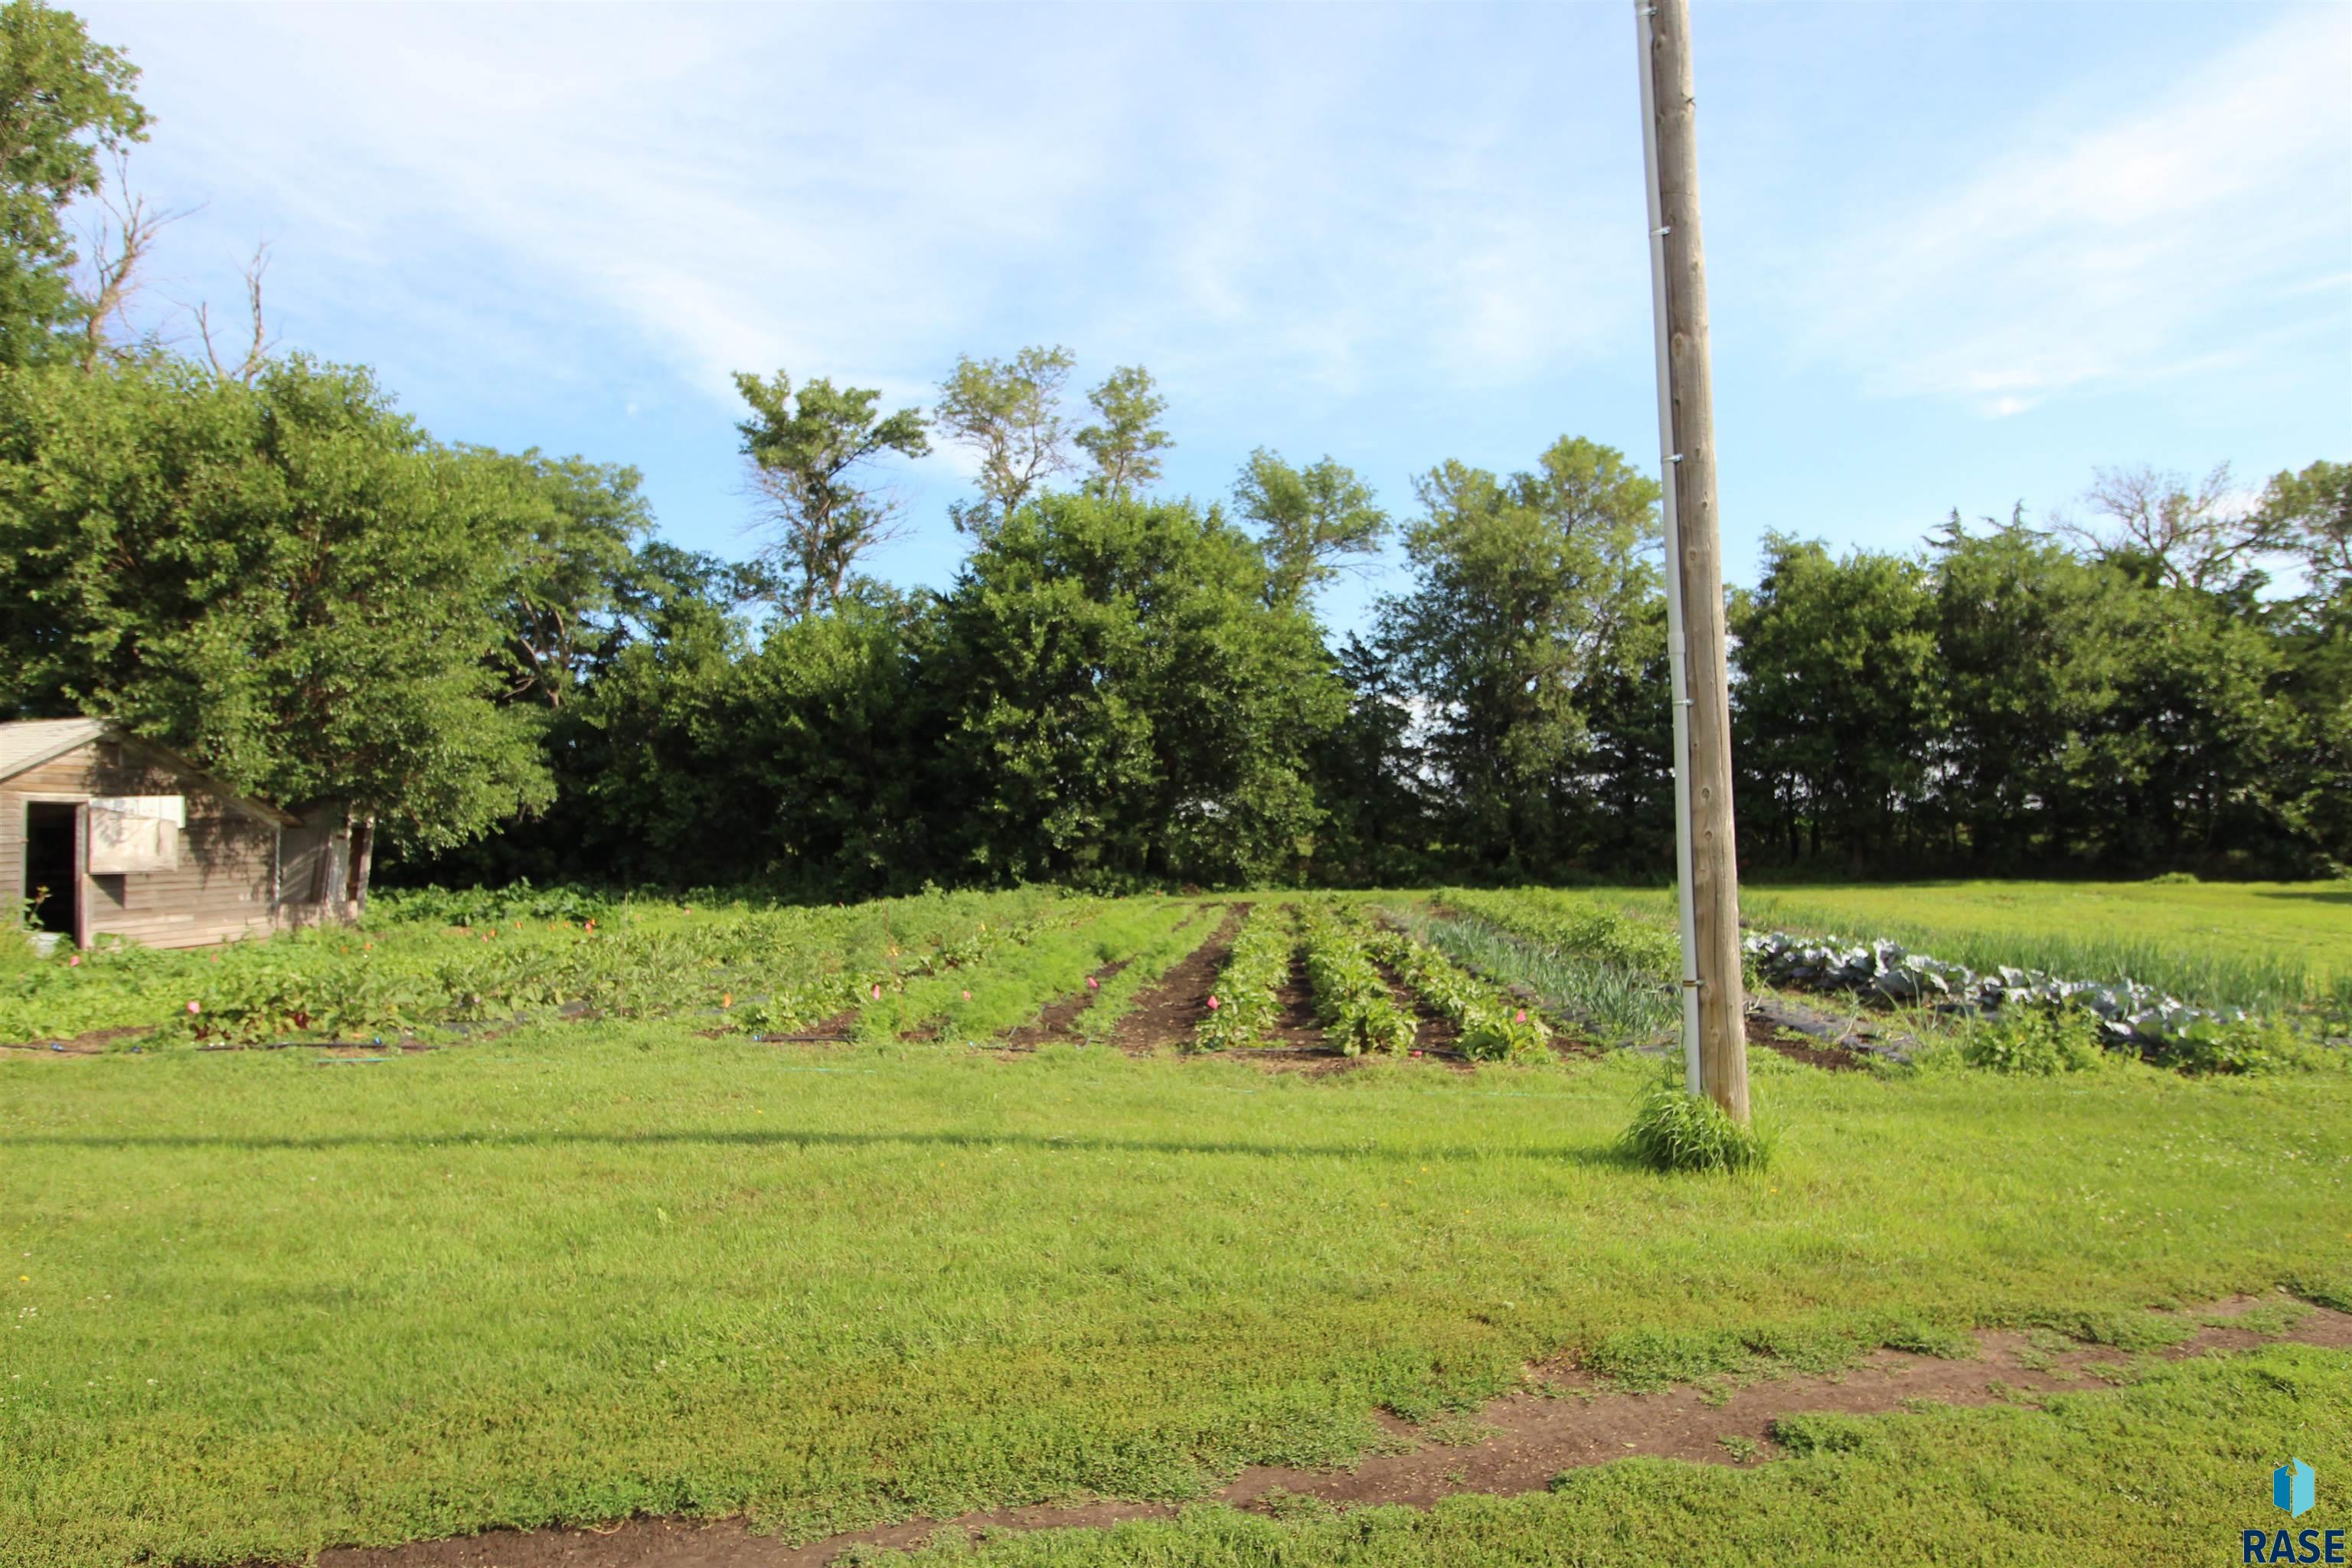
(1715, 1041)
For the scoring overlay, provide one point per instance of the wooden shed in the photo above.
(107, 834)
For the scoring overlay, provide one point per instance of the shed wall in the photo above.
(224, 888)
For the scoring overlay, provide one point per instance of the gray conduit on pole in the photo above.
(1677, 649)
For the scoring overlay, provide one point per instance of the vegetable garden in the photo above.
(1479, 975)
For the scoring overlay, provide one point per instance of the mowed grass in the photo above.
(255, 1304)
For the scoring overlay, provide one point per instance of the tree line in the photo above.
(497, 662)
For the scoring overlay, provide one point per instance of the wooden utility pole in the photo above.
(1714, 1004)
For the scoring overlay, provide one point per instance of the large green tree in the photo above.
(812, 456)
(1009, 412)
(584, 523)
(287, 580)
(2309, 513)
(1122, 703)
(2101, 715)
(1125, 447)
(1528, 589)
(1308, 519)
(64, 100)
(1379, 816)
(1838, 711)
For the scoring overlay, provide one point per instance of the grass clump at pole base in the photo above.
(1676, 1130)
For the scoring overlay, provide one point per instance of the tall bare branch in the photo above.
(2190, 535)
(120, 238)
(259, 343)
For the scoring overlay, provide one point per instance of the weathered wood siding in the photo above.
(225, 887)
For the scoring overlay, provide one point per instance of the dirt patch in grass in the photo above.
(1165, 1013)
(1314, 1061)
(1847, 1031)
(1568, 1048)
(92, 1044)
(1567, 1418)
(833, 1031)
(1572, 1419)
(1058, 1021)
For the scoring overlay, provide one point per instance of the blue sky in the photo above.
(1958, 255)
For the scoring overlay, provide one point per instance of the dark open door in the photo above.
(53, 863)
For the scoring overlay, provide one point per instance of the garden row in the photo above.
(1356, 970)
(968, 964)
(1611, 973)
(2120, 1014)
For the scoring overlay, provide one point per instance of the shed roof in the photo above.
(29, 743)
(26, 743)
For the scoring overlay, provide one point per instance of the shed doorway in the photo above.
(52, 871)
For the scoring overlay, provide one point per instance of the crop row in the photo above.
(1010, 991)
(1491, 1029)
(1151, 964)
(1594, 967)
(1352, 999)
(1244, 1004)
(1572, 928)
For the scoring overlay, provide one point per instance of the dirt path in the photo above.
(1516, 1444)
(92, 1044)
(1774, 1037)
(1296, 1026)
(1059, 1020)
(1163, 1014)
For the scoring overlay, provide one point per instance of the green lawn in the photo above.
(268, 1304)
(2172, 1471)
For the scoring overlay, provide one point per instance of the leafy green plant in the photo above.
(1351, 999)
(519, 900)
(2041, 1040)
(2250, 1045)
(1491, 1029)
(765, 968)
(1675, 1131)
(17, 950)
(1244, 1001)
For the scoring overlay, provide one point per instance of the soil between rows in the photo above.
(1528, 1438)
(1163, 1014)
(1432, 1031)
(1058, 1020)
(1831, 1059)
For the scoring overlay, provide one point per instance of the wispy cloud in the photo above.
(2117, 254)
(858, 190)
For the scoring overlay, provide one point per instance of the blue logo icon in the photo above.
(2291, 1488)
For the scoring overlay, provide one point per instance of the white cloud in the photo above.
(865, 192)
(2121, 253)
